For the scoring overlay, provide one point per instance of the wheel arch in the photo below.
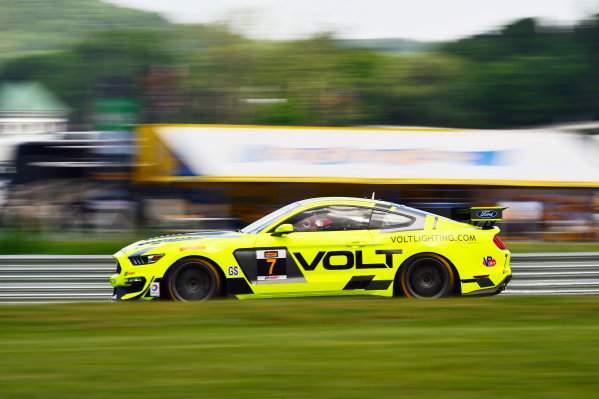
(397, 289)
(223, 289)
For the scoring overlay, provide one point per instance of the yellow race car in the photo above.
(323, 246)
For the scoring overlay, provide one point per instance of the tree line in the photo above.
(523, 74)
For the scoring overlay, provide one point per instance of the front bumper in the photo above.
(132, 282)
(128, 288)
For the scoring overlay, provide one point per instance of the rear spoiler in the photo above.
(486, 215)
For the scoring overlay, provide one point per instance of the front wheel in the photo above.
(427, 276)
(193, 280)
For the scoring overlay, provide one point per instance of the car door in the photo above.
(321, 254)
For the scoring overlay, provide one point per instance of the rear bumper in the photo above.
(492, 290)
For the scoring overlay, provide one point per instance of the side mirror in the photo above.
(283, 229)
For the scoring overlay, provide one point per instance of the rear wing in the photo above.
(487, 216)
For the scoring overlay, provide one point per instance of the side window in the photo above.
(389, 220)
(331, 218)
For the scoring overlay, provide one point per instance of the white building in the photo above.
(30, 108)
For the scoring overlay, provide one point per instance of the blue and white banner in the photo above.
(381, 155)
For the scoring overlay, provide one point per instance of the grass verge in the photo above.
(496, 347)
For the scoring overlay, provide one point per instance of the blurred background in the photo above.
(82, 82)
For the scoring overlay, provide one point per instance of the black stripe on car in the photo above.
(367, 283)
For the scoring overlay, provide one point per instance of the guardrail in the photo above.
(50, 278)
(70, 278)
(554, 274)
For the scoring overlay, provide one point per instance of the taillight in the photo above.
(498, 242)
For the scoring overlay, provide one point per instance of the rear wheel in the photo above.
(193, 280)
(427, 276)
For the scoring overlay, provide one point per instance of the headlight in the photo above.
(145, 259)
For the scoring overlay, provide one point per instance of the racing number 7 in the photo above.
(272, 264)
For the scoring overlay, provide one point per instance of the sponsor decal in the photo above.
(489, 261)
(341, 155)
(192, 248)
(343, 260)
(264, 278)
(233, 271)
(270, 254)
(486, 214)
(154, 289)
(399, 239)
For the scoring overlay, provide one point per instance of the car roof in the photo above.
(343, 200)
(311, 201)
(355, 201)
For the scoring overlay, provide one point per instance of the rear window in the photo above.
(389, 220)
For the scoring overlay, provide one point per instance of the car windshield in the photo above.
(261, 223)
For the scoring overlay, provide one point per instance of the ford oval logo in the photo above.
(486, 214)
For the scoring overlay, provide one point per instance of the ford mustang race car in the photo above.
(323, 246)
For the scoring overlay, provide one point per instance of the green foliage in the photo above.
(29, 26)
(523, 74)
(416, 90)
(25, 241)
(390, 45)
(320, 81)
(282, 114)
(75, 75)
(529, 74)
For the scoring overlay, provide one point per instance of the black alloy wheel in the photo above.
(428, 276)
(193, 280)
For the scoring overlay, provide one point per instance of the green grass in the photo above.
(19, 242)
(496, 347)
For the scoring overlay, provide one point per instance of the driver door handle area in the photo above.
(356, 243)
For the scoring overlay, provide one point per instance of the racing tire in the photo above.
(193, 280)
(427, 276)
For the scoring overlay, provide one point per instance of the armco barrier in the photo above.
(48, 278)
(78, 278)
(555, 274)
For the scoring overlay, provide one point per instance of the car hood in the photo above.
(206, 237)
